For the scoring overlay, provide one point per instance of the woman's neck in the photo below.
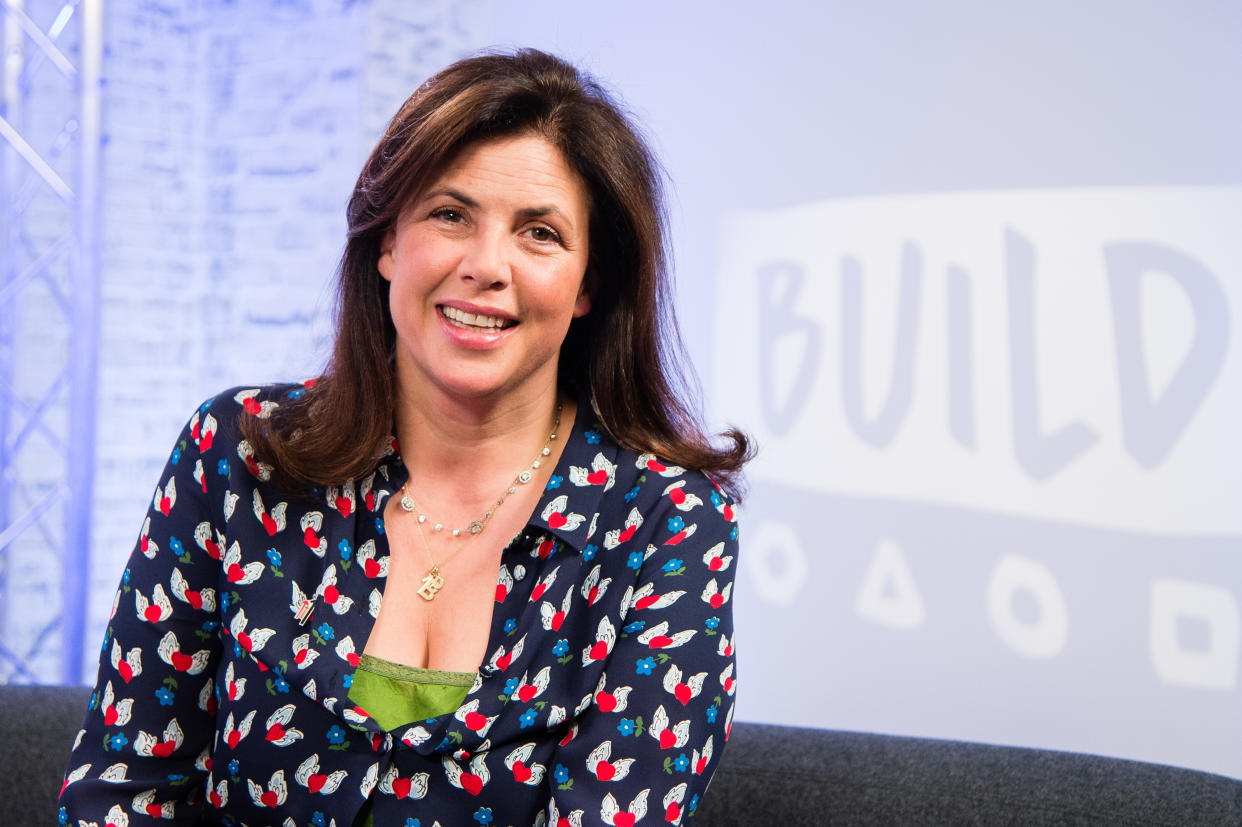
(462, 454)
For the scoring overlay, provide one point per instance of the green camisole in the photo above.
(395, 695)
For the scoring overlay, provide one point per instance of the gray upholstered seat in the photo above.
(772, 775)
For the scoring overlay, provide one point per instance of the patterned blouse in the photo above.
(222, 695)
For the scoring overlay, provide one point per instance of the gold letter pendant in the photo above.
(432, 583)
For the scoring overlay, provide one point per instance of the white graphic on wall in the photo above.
(1000, 459)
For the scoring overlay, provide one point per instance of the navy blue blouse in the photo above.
(605, 697)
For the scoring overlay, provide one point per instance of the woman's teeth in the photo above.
(463, 319)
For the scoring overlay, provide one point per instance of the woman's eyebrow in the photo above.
(452, 193)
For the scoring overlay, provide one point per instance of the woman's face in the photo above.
(486, 270)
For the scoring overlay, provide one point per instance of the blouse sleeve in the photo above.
(650, 740)
(145, 742)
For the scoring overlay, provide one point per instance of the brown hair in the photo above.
(624, 356)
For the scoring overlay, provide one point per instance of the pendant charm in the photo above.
(407, 503)
(432, 583)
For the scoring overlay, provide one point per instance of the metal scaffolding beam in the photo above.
(50, 130)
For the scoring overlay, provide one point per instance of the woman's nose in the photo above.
(486, 259)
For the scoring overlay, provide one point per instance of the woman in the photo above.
(493, 470)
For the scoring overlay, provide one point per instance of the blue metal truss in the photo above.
(49, 330)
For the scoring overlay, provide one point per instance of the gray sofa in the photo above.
(771, 775)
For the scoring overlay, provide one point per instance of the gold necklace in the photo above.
(433, 581)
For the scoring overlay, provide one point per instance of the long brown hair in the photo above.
(625, 356)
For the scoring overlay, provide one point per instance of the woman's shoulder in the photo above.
(672, 502)
(257, 400)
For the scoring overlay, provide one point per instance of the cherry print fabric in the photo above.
(605, 697)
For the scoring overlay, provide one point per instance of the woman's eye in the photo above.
(448, 214)
(544, 234)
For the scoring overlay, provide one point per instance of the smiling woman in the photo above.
(434, 603)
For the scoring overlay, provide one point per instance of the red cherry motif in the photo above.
(401, 787)
(204, 444)
(268, 798)
(165, 505)
(606, 701)
(682, 693)
(344, 506)
(605, 771)
(677, 495)
(275, 732)
(181, 661)
(471, 783)
(310, 538)
(667, 739)
(655, 465)
(269, 525)
(521, 772)
(502, 591)
(164, 749)
(556, 519)
(526, 692)
(475, 721)
(250, 406)
(599, 651)
(370, 567)
(597, 477)
(152, 613)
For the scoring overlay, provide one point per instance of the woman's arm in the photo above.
(658, 721)
(146, 739)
